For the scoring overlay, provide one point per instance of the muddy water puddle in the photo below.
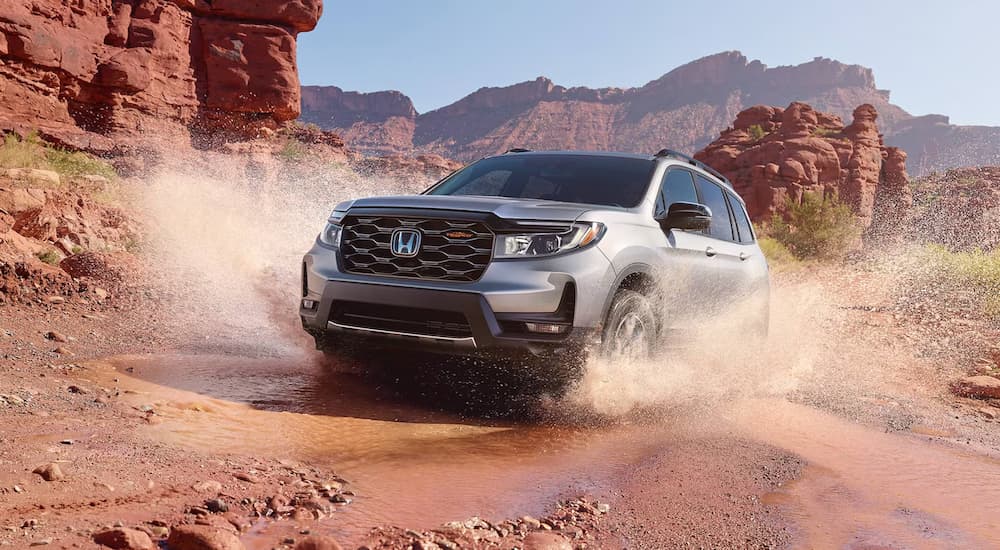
(411, 462)
(867, 489)
(419, 456)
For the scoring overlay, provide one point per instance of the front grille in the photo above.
(411, 320)
(365, 248)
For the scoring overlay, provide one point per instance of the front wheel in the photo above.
(631, 328)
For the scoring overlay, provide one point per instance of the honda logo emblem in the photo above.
(405, 243)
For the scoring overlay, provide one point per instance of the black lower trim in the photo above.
(422, 311)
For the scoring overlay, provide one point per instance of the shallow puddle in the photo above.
(867, 489)
(416, 457)
(409, 464)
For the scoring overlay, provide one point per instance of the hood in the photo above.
(510, 209)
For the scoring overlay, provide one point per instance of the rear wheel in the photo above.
(631, 328)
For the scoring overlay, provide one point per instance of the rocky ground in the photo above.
(79, 469)
(82, 464)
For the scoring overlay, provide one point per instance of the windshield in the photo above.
(586, 179)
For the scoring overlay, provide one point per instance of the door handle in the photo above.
(744, 256)
(710, 251)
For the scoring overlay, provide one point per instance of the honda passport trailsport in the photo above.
(542, 253)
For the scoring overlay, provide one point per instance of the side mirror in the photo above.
(686, 215)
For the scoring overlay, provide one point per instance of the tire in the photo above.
(631, 330)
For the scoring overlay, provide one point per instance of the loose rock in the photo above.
(123, 538)
(546, 540)
(50, 472)
(56, 336)
(981, 387)
(317, 543)
(207, 486)
(202, 537)
(217, 505)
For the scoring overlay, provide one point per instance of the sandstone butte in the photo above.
(773, 155)
(96, 74)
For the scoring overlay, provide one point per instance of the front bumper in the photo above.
(568, 289)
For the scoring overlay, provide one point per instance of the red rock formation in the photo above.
(773, 155)
(99, 73)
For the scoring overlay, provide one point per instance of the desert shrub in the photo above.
(50, 257)
(824, 132)
(31, 152)
(976, 269)
(778, 255)
(756, 132)
(820, 227)
(293, 151)
(21, 153)
(74, 163)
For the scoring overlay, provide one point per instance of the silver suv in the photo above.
(539, 253)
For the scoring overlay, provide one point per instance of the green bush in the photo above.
(31, 152)
(72, 163)
(756, 132)
(293, 151)
(50, 257)
(820, 227)
(976, 269)
(778, 256)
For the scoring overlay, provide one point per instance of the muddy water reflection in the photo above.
(412, 459)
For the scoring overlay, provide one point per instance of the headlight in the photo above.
(547, 244)
(330, 235)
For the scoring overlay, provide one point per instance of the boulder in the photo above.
(17, 201)
(124, 539)
(33, 177)
(546, 540)
(49, 472)
(981, 387)
(202, 537)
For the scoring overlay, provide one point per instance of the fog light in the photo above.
(309, 304)
(544, 328)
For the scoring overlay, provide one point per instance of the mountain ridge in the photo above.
(686, 108)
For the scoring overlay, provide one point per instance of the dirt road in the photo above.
(820, 451)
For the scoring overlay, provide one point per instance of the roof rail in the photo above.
(693, 162)
(518, 150)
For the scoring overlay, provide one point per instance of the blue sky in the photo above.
(935, 57)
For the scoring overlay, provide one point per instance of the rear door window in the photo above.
(677, 186)
(714, 197)
(745, 233)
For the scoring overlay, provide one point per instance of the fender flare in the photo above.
(628, 271)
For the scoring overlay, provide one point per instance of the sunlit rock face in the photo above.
(101, 74)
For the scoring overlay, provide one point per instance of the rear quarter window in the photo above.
(715, 198)
(743, 228)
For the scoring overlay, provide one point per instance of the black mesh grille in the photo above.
(450, 250)
(413, 320)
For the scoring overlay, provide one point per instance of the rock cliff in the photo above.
(684, 109)
(100, 74)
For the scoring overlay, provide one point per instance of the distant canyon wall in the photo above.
(685, 109)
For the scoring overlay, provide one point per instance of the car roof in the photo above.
(583, 154)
